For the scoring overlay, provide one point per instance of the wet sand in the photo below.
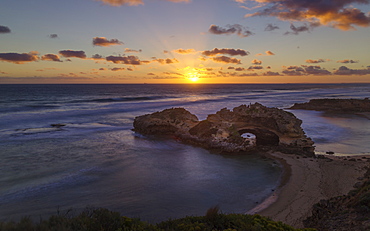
(306, 181)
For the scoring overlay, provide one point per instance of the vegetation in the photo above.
(105, 220)
(348, 212)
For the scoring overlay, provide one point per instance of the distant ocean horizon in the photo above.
(68, 146)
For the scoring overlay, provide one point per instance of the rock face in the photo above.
(274, 129)
(335, 105)
(342, 213)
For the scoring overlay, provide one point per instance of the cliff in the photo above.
(273, 128)
(335, 105)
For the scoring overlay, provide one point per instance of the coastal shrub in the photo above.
(105, 220)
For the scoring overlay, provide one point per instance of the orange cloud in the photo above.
(51, 57)
(256, 62)
(315, 61)
(347, 61)
(166, 61)
(185, 51)
(334, 13)
(19, 58)
(132, 2)
(268, 53)
(128, 50)
(104, 42)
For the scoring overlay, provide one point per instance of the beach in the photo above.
(306, 181)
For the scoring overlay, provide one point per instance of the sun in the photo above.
(193, 77)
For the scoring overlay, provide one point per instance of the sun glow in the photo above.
(193, 76)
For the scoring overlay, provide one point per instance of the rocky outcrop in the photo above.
(342, 213)
(274, 129)
(335, 105)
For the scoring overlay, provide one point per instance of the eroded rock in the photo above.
(274, 129)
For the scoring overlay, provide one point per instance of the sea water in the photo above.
(96, 160)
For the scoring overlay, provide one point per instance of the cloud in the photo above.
(166, 61)
(268, 53)
(104, 42)
(128, 50)
(316, 70)
(117, 69)
(297, 30)
(338, 14)
(343, 70)
(294, 71)
(255, 67)
(132, 2)
(230, 29)
(4, 29)
(19, 58)
(225, 51)
(53, 36)
(271, 27)
(128, 60)
(256, 62)
(185, 51)
(71, 54)
(97, 57)
(305, 70)
(51, 57)
(225, 59)
(150, 73)
(315, 61)
(271, 73)
(347, 61)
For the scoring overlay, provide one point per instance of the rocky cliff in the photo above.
(335, 105)
(274, 129)
(342, 213)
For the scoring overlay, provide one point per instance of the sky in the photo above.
(184, 41)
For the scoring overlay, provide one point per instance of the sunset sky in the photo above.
(184, 41)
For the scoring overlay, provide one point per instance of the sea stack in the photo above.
(274, 129)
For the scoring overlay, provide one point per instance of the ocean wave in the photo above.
(119, 99)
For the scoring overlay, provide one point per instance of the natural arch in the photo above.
(264, 137)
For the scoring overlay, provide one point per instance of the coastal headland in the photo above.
(307, 178)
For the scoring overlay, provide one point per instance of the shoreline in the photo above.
(306, 181)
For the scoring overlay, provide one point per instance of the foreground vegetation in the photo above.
(105, 220)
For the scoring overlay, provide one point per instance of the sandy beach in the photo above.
(306, 181)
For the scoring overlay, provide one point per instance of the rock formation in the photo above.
(335, 105)
(342, 213)
(274, 129)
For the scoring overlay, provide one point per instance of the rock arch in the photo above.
(274, 129)
(264, 137)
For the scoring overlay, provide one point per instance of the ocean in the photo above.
(96, 160)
